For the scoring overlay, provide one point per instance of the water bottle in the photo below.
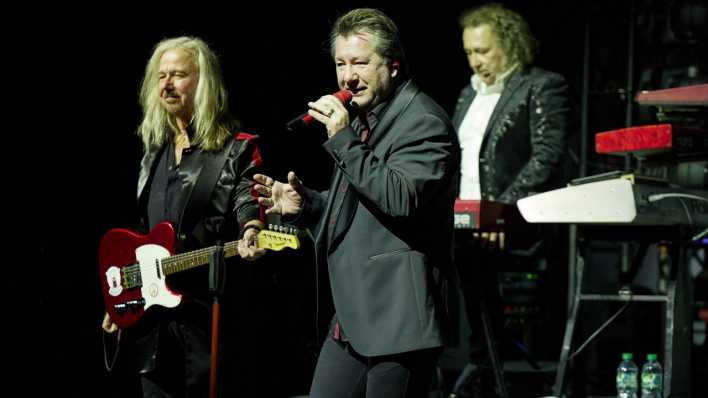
(627, 377)
(652, 378)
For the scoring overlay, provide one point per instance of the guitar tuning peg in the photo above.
(270, 227)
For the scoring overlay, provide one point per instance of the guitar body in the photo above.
(133, 267)
(131, 272)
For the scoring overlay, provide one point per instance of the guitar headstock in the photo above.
(278, 237)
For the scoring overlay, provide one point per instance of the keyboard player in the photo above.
(512, 122)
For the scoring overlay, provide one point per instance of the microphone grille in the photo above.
(344, 96)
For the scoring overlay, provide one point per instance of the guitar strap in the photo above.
(211, 169)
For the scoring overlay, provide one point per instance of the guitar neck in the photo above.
(196, 258)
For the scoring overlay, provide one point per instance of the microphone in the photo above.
(344, 96)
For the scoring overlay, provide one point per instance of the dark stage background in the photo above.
(89, 63)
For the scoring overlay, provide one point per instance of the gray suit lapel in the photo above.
(334, 208)
(399, 103)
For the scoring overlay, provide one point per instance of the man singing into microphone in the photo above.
(384, 228)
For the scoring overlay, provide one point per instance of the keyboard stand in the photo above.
(676, 327)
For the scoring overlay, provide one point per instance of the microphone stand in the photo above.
(217, 278)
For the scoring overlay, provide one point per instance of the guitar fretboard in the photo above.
(185, 261)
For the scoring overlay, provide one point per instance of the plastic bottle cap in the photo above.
(627, 356)
(651, 357)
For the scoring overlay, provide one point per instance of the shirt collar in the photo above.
(482, 88)
(373, 116)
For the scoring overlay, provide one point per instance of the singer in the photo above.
(384, 228)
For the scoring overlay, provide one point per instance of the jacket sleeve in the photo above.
(548, 123)
(245, 161)
(419, 165)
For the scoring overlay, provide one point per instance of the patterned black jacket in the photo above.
(525, 137)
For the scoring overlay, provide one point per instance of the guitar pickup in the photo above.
(133, 305)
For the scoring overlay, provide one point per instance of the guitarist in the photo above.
(188, 137)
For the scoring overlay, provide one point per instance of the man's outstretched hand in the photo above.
(277, 197)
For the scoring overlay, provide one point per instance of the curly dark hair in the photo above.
(510, 28)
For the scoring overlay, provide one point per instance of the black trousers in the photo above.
(342, 372)
(480, 287)
(183, 363)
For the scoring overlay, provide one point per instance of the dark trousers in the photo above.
(480, 288)
(183, 364)
(342, 372)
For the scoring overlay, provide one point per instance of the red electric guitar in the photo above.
(133, 267)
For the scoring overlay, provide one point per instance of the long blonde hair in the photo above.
(210, 121)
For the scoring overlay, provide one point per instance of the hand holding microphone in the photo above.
(330, 110)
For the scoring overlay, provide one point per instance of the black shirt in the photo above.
(167, 193)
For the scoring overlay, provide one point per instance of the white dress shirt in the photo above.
(472, 128)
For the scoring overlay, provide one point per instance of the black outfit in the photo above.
(343, 372)
(170, 347)
(384, 232)
(520, 154)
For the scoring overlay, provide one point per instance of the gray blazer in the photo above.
(391, 268)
